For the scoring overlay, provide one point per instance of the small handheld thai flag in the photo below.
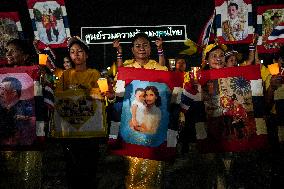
(207, 33)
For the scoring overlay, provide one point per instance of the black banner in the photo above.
(106, 35)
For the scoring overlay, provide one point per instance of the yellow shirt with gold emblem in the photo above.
(152, 64)
(86, 79)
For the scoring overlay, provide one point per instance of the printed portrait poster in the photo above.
(145, 112)
(78, 115)
(234, 110)
(50, 24)
(10, 28)
(234, 21)
(270, 27)
(19, 126)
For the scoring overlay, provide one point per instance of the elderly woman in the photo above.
(141, 50)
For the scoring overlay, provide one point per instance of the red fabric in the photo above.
(172, 79)
(251, 72)
(3, 61)
(220, 2)
(11, 15)
(262, 50)
(119, 147)
(247, 40)
(42, 45)
(253, 143)
(32, 2)
(30, 70)
(262, 9)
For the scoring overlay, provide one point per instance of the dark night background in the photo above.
(95, 13)
(249, 170)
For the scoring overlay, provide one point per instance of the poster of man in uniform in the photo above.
(233, 23)
(17, 110)
(49, 25)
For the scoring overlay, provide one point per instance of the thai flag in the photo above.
(51, 56)
(48, 94)
(277, 34)
(48, 87)
(207, 33)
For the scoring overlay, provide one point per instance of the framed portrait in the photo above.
(234, 21)
(270, 24)
(19, 104)
(77, 115)
(50, 25)
(10, 28)
(233, 109)
(145, 114)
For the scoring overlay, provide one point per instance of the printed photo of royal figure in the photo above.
(49, 22)
(145, 114)
(235, 25)
(17, 123)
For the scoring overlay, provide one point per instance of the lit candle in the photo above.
(195, 70)
(103, 85)
(42, 59)
(274, 68)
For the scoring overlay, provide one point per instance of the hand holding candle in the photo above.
(274, 69)
(42, 59)
(103, 84)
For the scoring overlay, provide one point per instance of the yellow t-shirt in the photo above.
(152, 64)
(266, 76)
(82, 79)
(58, 72)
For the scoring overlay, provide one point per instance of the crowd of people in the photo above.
(81, 153)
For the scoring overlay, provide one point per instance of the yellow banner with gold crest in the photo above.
(78, 115)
